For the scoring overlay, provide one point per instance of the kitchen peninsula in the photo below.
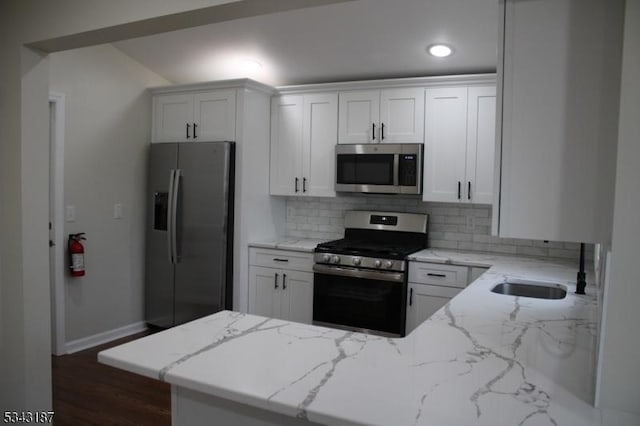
(483, 359)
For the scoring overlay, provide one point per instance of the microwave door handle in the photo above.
(396, 171)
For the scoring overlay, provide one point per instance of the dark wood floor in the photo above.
(88, 393)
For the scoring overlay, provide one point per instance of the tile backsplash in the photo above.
(451, 226)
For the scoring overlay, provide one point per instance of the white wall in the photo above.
(620, 375)
(108, 128)
(25, 369)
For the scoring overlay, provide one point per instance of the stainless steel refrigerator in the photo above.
(189, 241)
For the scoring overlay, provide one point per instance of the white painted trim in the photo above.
(601, 335)
(239, 83)
(58, 100)
(105, 337)
(435, 81)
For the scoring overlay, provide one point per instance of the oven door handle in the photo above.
(397, 277)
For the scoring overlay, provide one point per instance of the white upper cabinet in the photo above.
(459, 144)
(559, 73)
(171, 115)
(402, 115)
(214, 115)
(481, 143)
(320, 129)
(389, 115)
(359, 116)
(286, 144)
(303, 138)
(200, 116)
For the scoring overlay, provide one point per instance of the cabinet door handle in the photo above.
(436, 275)
(411, 297)
(381, 131)
(304, 184)
(459, 189)
(275, 281)
(188, 126)
(195, 126)
(284, 281)
(469, 191)
(296, 184)
(373, 132)
(277, 259)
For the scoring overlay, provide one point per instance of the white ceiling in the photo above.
(346, 41)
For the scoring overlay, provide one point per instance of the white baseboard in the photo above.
(104, 337)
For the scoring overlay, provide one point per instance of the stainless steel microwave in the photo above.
(379, 168)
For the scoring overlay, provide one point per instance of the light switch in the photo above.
(471, 223)
(291, 212)
(70, 213)
(117, 211)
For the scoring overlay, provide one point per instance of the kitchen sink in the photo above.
(535, 289)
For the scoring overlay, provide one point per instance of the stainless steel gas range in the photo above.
(360, 281)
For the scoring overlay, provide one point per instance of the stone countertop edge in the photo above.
(483, 359)
(289, 243)
(481, 259)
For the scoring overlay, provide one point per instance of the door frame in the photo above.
(56, 215)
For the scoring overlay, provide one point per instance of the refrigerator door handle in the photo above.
(172, 173)
(174, 215)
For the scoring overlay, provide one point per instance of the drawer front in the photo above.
(282, 259)
(433, 290)
(437, 274)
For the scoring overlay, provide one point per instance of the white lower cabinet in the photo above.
(475, 272)
(279, 292)
(432, 285)
(424, 301)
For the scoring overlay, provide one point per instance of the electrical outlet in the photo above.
(117, 211)
(471, 223)
(291, 212)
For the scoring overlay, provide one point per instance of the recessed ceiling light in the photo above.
(249, 65)
(439, 50)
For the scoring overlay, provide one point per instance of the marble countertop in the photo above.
(289, 243)
(479, 259)
(483, 359)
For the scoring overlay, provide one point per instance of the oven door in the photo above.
(357, 299)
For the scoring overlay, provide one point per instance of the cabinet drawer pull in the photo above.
(469, 191)
(284, 281)
(410, 297)
(275, 282)
(436, 275)
(277, 259)
(188, 127)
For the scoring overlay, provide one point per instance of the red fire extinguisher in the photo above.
(76, 254)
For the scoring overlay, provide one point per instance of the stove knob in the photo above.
(326, 258)
(377, 263)
(356, 261)
(388, 264)
(335, 259)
